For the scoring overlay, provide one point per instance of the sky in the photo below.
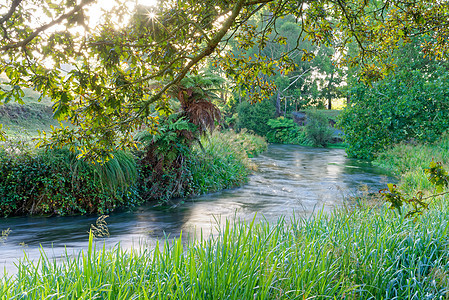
(95, 10)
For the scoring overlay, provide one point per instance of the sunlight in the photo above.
(96, 11)
(147, 2)
(151, 15)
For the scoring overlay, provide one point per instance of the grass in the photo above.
(367, 253)
(331, 113)
(224, 162)
(408, 162)
(24, 120)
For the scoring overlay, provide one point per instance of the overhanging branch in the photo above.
(41, 29)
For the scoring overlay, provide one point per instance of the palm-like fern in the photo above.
(164, 171)
(196, 94)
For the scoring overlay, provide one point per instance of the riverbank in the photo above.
(364, 253)
(55, 182)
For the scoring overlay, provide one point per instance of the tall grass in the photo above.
(362, 254)
(408, 162)
(224, 161)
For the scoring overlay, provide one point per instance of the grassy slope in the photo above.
(366, 253)
(408, 162)
(25, 120)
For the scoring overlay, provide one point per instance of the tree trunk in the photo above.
(329, 96)
(278, 104)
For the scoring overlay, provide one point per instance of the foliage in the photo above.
(286, 131)
(411, 105)
(56, 182)
(4, 235)
(107, 84)
(409, 161)
(252, 144)
(421, 179)
(397, 200)
(255, 117)
(224, 162)
(196, 93)
(361, 254)
(100, 229)
(317, 128)
(163, 158)
(436, 175)
(166, 155)
(220, 161)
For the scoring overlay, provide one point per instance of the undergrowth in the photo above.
(224, 160)
(408, 162)
(55, 182)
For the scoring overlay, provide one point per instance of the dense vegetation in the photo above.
(409, 161)
(106, 75)
(409, 105)
(405, 107)
(144, 69)
(55, 182)
(364, 252)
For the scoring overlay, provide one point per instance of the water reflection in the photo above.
(290, 179)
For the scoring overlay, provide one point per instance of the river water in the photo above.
(290, 180)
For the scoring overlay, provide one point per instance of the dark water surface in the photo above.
(290, 180)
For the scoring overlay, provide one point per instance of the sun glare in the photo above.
(151, 15)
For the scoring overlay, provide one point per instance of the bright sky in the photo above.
(95, 11)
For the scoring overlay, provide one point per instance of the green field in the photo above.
(24, 120)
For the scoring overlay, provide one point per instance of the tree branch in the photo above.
(211, 46)
(12, 9)
(46, 26)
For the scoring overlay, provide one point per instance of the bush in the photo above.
(254, 117)
(286, 131)
(317, 128)
(408, 106)
(224, 161)
(56, 182)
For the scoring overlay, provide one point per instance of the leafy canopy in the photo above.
(110, 77)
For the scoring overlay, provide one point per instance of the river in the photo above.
(290, 180)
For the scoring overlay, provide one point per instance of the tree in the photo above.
(410, 105)
(108, 90)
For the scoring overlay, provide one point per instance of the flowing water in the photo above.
(290, 180)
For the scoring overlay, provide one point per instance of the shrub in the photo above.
(254, 117)
(407, 106)
(222, 163)
(164, 159)
(56, 182)
(317, 128)
(285, 131)
(175, 169)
